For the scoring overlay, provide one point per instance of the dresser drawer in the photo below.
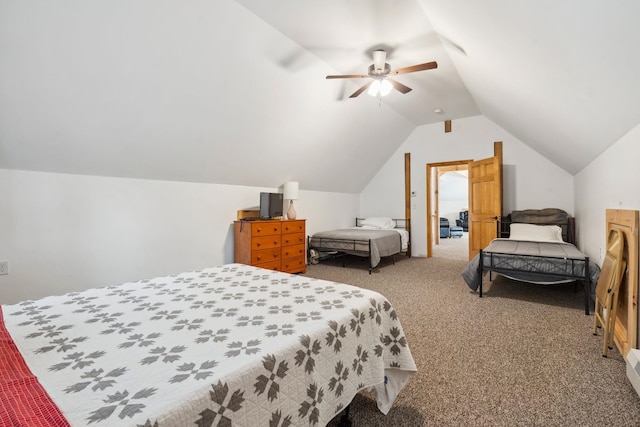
(293, 239)
(293, 227)
(266, 228)
(265, 242)
(272, 265)
(294, 265)
(258, 257)
(293, 251)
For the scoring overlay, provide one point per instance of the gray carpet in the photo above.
(523, 355)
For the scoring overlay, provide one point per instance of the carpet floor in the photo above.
(523, 355)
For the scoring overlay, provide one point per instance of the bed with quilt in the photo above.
(535, 246)
(372, 238)
(232, 345)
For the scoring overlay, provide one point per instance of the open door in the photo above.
(485, 201)
(485, 198)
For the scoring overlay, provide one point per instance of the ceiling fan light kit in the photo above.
(380, 87)
(379, 72)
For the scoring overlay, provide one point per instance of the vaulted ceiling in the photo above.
(234, 92)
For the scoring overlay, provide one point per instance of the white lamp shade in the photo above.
(374, 88)
(380, 87)
(291, 190)
(385, 87)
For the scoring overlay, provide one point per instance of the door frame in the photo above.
(432, 191)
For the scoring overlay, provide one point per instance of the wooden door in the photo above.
(485, 202)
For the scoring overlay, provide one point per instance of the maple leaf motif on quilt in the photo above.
(358, 320)
(275, 371)
(393, 341)
(218, 395)
(131, 407)
(337, 381)
(278, 421)
(310, 407)
(358, 362)
(306, 354)
(333, 338)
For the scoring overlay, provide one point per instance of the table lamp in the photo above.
(291, 193)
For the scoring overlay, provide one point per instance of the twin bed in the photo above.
(233, 345)
(535, 246)
(372, 238)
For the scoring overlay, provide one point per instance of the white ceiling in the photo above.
(343, 34)
(233, 92)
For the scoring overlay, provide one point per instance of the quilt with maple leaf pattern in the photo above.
(232, 345)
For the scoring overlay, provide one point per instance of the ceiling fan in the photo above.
(379, 73)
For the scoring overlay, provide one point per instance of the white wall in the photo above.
(453, 196)
(530, 181)
(64, 233)
(609, 182)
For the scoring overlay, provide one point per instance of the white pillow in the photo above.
(380, 222)
(536, 233)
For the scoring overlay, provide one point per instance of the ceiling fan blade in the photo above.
(362, 89)
(348, 76)
(399, 86)
(419, 67)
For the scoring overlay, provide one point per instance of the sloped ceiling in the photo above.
(561, 76)
(233, 92)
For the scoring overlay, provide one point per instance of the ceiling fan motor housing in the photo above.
(378, 72)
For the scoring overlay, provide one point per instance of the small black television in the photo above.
(270, 205)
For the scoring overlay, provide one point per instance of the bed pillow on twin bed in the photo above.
(536, 233)
(381, 222)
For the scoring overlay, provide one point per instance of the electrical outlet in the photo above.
(4, 267)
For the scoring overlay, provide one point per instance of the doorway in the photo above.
(485, 199)
(445, 200)
(452, 205)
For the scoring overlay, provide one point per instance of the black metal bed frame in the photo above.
(344, 247)
(568, 232)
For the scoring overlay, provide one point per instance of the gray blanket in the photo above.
(552, 263)
(355, 241)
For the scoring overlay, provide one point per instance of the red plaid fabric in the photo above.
(23, 400)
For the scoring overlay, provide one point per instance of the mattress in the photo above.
(533, 262)
(228, 345)
(356, 240)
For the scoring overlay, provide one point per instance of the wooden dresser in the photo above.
(272, 244)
